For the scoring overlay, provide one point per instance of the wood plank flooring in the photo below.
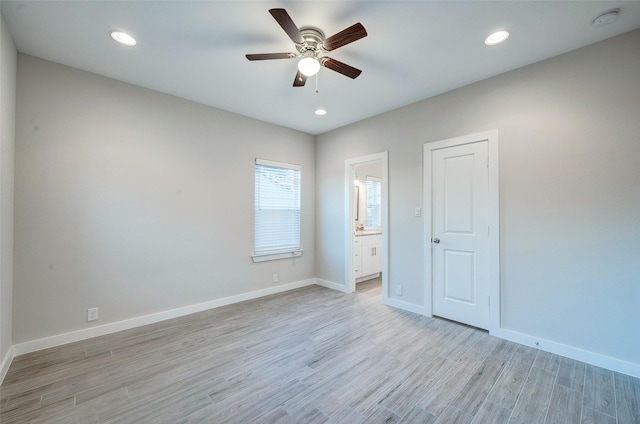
(311, 355)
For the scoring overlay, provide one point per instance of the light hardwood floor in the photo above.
(310, 356)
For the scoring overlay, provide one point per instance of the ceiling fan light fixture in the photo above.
(496, 38)
(309, 66)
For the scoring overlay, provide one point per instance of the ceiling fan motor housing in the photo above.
(313, 38)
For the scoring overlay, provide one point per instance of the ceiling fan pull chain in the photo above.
(317, 82)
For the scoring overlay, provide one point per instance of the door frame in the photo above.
(491, 137)
(349, 166)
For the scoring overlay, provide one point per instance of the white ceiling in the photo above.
(414, 50)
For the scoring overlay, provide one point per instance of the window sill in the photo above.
(275, 256)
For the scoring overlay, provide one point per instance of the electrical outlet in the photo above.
(275, 278)
(92, 314)
(398, 290)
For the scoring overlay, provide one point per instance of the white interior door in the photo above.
(460, 233)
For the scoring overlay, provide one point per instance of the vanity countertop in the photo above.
(367, 233)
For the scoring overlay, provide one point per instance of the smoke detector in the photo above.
(606, 17)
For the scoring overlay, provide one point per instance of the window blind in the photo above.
(373, 218)
(277, 207)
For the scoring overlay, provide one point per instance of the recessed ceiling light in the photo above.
(320, 112)
(496, 38)
(123, 38)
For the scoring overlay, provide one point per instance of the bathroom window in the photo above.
(277, 208)
(373, 201)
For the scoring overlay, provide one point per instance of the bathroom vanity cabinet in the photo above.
(367, 255)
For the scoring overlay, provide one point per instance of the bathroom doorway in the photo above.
(366, 222)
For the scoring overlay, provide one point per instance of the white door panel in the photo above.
(460, 220)
(459, 276)
(458, 194)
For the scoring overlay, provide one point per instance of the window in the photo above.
(373, 188)
(277, 209)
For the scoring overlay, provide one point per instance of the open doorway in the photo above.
(366, 222)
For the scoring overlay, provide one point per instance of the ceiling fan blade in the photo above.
(340, 67)
(344, 37)
(267, 56)
(287, 25)
(300, 80)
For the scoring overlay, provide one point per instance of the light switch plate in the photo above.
(418, 212)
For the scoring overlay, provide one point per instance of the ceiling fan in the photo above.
(310, 44)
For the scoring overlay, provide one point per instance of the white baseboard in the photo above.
(6, 362)
(74, 336)
(405, 306)
(578, 354)
(333, 286)
(592, 358)
(368, 277)
(614, 364)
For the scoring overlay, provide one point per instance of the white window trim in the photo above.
(271, 255)
(278, 164)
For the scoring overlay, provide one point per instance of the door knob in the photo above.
(435, 240)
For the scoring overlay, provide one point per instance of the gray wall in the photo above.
(8, 58)
(136, 202)
(569, 141)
